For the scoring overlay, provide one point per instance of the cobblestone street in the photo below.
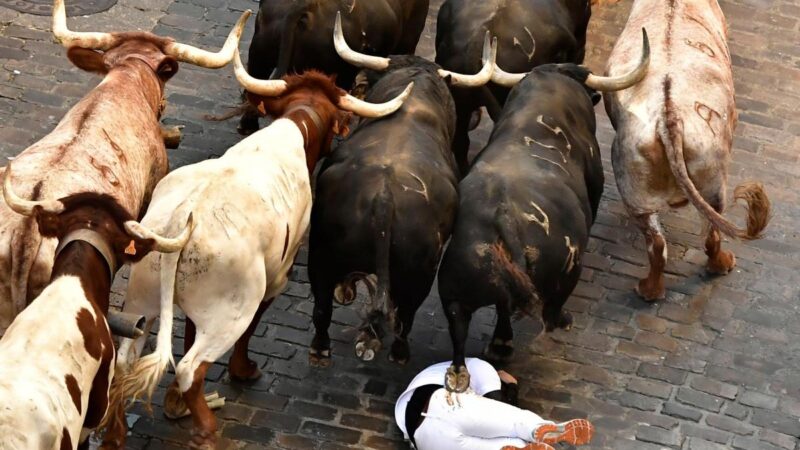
(714, 366)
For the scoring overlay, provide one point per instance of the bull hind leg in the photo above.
(457, 377)
(319, 354)
(215, 338)
(403, 321)
(501, 347)
(652, 287)
(240, 366)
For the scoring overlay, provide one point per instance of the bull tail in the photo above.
(143, 378)
(670, 131)
(513, 268)
(382, 218)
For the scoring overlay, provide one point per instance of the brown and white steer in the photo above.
(109, 143)
(57, 357)
(252, 206)
(675, 129)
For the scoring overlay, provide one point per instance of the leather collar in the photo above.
(96, 240)
(315, 118)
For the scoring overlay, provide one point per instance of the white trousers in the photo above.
(473, 422)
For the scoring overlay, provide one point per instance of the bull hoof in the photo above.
(174, 409)
(456, 380)
(722, 264)
(400, 352)
(367, 350)
(344, 294)
(203, 440)
(319, 358)
(651, 292)
(498, 351)
(247, 373)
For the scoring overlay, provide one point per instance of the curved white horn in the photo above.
(352, 56)
(163, 244)
(96, 41)
(479, 79)
(507, 79)
(627, 80)
(203, 58)
(268, 88)
(26, 207)
(365, 109)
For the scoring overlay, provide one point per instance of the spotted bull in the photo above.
(109, 143)
(675, 131)
(386, 201)
(57, 357)
(529, 32)
(293, 36)
(527, 205)
(252, 207)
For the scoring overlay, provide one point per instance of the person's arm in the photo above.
(509, 389)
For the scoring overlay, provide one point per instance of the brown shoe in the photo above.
(534, 446)
(574, 432)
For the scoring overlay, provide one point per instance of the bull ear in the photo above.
(167, 68)
(341, 126)
(88, 60)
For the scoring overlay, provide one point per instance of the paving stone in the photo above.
(776, 421)
(657, 436)
(330, 433)
(699, 399)
(714, 387)
(758, 400)
(681, 411)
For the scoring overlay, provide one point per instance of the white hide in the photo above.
(243, 203)
(110, 142)
(40, 348)
(688, 46)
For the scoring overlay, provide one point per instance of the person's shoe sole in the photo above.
(574, 432)
(534, 446)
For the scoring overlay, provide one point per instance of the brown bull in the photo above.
(675, 130)
(109, 143)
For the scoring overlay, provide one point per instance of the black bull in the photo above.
(529, 32)
(295, 35)
(526, 208)
(385, 204)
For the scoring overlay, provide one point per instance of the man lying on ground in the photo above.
(485, 417)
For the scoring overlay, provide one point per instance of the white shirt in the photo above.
(483, 379)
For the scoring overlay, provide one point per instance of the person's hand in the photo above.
(506, 377)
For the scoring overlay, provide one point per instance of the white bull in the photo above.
(252, 208)
(675, 129)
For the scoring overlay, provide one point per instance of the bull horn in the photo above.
(627, 80)
(365, 109)
(351, 56)
(27, 207)
(479, 79)
(92, 40)
(203, 58)
(268, 88)
(507, 79)
(163, 244)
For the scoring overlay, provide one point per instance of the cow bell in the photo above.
(126, 325)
